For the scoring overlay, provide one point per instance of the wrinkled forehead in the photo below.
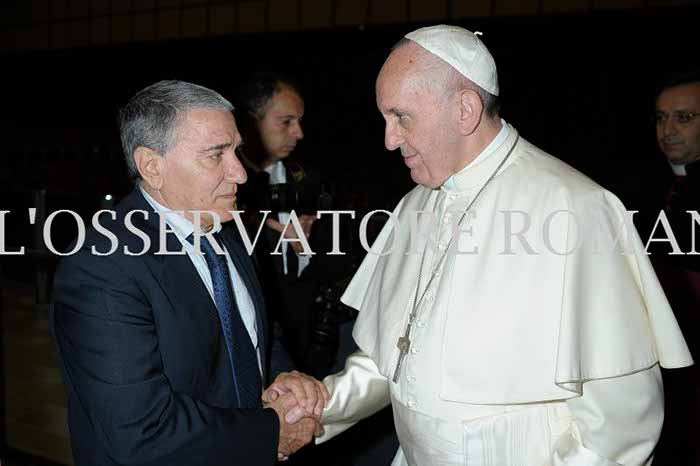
(205, 123)
(402, 70)
(402, 61)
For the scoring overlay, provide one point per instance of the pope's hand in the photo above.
(310, 394)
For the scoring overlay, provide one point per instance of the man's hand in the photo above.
(306, 221)
(310, 394)
(293, 436)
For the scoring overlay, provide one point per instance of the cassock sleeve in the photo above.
(356, 393)
(616, 421)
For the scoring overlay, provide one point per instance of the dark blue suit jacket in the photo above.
(143, 356)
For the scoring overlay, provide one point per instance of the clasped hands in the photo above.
(299, 400)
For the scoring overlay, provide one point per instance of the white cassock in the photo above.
(529, 350)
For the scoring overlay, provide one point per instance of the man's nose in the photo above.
(297, 132)
(392, 137)
(669, 127)
(234, 171)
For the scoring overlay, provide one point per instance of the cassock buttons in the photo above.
(421, 323)
(411, 404)
(410, 378)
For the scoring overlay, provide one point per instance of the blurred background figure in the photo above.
(312, 330)
(271, 109)
(677, 191)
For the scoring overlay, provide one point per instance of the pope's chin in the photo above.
(418, 179)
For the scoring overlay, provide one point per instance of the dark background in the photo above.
(580, 86)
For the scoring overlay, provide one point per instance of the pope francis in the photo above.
(497, 335)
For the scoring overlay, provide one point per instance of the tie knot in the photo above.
(206, 246)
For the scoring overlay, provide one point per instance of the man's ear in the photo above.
(471, 109)
(150, 165)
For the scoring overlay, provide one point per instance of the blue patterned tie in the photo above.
(244, 360)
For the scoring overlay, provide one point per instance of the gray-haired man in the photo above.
(162, 354)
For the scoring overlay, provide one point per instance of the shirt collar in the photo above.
(451, 185)
(678, 170)
(182, 227)
(277, 173)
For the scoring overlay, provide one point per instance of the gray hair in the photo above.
(152, 116)
(439, 76)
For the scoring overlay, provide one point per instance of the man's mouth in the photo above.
(671, 143)
(410, 160)
(230, 196)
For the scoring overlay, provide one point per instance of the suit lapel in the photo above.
(177, 276)
(182, 284)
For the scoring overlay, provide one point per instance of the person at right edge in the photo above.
(532, 351)
(677, 117)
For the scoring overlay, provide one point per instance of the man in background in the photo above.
(303, 292)
(271, 110)
(677, 116)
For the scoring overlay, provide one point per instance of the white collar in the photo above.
(277, 172)
(678, 170)
(181, 226)
(451, 185)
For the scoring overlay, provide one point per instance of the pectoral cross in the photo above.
(404, 344)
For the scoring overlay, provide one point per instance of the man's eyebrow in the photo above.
(395, 111)
(218, 147)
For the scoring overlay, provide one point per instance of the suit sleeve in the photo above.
(617, 421)
(108, 342)
(356, 393)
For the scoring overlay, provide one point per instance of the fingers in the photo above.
(275, 225)
(310, 394)
(301, 386)
(298, 247)
(307, 222)
(316, 394)
(290, 233)
(270, 395)
(294, 437)
(323, 398)
(295, 415)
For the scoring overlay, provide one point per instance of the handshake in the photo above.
(299, 400)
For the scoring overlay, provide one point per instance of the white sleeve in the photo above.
(616, 421)
(356, 393)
